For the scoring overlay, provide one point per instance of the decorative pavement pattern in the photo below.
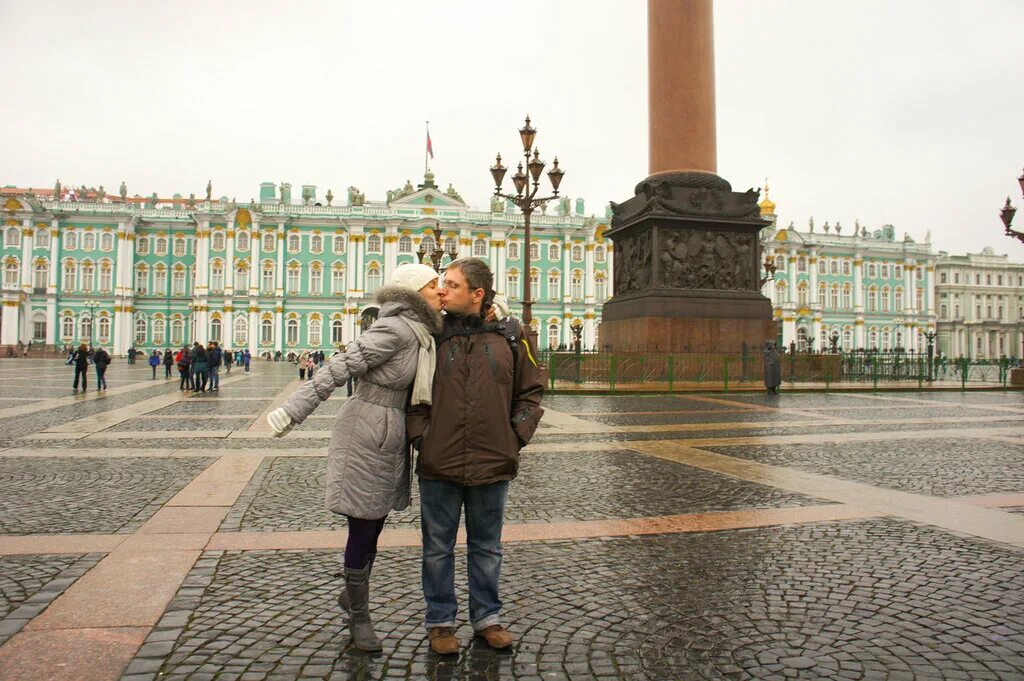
(148, 533)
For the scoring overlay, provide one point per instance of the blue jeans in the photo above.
(214, 378)
(441, 504)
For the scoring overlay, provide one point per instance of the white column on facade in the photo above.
(227, 338)
(500, 257)
(609, 280)
(282, 241)
(26, 255)
(254, 330)
(361, 267)
(465, 242)
(812, 294)
(229, 260)
(351, 265)
(588, 271)
(9, 335)
(929, 290)
(390, 251)
(255, 244)
(52, 329)
(858, 300)
(279, 328)
(566, 272)
(791, 292)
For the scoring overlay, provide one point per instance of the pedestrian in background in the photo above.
(168, 362)
(229, 358)
(101, 358)
(772, 368)
(303, 361)
(81, 361)
(246, 359)
(154, 362)
(184, 362)
(201, 368)
(213, 359)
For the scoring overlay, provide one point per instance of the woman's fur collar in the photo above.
(414, 302)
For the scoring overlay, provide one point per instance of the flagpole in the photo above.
(426, 162)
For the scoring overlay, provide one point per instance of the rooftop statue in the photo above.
(452, 193)
(810, 224)
(101, 194)
(329, 197)
(209, 189)
(497, 205)
(56, 191)
(192, 200)
(123, 191)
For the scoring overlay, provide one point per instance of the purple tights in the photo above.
(362, 541)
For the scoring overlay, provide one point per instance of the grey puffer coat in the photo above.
(368, 456)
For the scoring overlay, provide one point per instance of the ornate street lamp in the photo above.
(527, 201)
(1008, 211)
(92, 306)
(438, 253)
(834, 341)
(769, 270)
(930, 337)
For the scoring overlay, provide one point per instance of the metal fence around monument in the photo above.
(606, 371)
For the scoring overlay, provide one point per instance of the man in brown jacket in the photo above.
(485, 406)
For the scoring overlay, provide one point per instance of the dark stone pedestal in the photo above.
(687, 269)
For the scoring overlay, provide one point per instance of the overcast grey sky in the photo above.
(902, 112)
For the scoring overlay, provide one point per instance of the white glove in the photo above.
(499, 307)
(280, 422)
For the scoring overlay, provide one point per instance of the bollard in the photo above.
(725, 377)
(671, 371)
(611, 374)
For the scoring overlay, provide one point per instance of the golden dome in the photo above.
(767, 205)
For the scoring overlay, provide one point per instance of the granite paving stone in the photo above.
(872, 599)
(225, 407)
(68, 495)
(942, 467)
(196, 422)
(287, 493)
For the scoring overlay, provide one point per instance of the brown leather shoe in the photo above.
(496, 636)
(443, 641)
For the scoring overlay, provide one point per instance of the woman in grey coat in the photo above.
(367, 460)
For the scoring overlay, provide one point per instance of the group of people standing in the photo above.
(310, 362)
(198, 366)
(464, 391)
(81, 358)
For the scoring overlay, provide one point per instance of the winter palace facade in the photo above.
(271, 275)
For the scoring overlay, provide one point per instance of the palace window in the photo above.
(897, 271)
(142, 245)
(872, 299)
(70, 239)
(480, 248)
(241, 279)
(899, 299)
(534, 251)
(316, 281)
(269, 242)
(88, 241)
(576, 285)
(338, 281)
(780, 263)
(293, 280)
(577, 253)
(871, 270)
(373, 278)
(241, 330)
(801, 293)
(833, 267)
(159, 329)
(822, 266)
(243, 241)
(11, 274)
(292, 332)
(801, 264)
(178, 283)
(106, 285)
(846, 267)
(88, 277)
(338, 244)
(267, 280)
(554, 284)
(554, 253)
(42, 239)
(161, 246)
(218, 241)
(405, 244)
(314, 332)
(107, 241)
(373, 243)
(179, 246)
(554, 335)
(140, 331)
(512, 250)
(600, 288)
(177, 332)
(12, 237)
(217, 278)
(41, 275)
(103, 329)
(215, 330)
(599, 253)
(833, 298)
(780, 292)
(316, 244)
(70, 276)
(337, 332)
(267, 331)
(67, 327)
(294, 242)
(847, 297)
(512, 285)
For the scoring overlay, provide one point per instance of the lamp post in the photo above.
(930, 337)
(1008, 211)
(91, 305)
(526, 199)
(769, 270)
(438, 252)
(834, 341)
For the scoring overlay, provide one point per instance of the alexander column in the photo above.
(687, 253)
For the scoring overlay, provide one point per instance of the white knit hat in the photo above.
(412, 276)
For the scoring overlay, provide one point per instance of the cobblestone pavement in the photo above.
(150, 533)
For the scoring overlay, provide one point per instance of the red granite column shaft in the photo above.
(681, 86)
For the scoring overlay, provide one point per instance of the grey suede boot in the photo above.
(343, 601)
(357, 586)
